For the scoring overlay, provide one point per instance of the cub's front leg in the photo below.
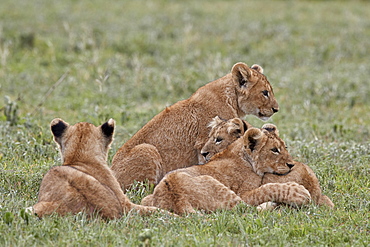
(289, 193)
(141, 163)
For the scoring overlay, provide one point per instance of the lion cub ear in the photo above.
(107, 129)
(270, 128)
(258, 68)
(215, 121)
(252, 138)
(237, 127)
(58, 128)
(241, 73)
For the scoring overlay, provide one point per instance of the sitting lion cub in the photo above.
(225, 132)
(231, 177)
(173, 138)
(84, 182)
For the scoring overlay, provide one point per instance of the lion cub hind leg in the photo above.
(56, 195)
(99, 197)
(165, 196)
(142, 163)
(212, 194)
(182, 193)
(67, 190)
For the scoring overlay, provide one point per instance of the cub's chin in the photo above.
(262, 116)
(282, 174)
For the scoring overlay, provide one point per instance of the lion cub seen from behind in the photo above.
(173, 138)
(224, 132)
(84, 182)
(231, 177)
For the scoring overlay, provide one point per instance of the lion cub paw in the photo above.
(29, 210)
(267, 206)
(295, 194)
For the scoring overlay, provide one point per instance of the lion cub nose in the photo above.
(205, 154)
(275, 109)
(290, 165)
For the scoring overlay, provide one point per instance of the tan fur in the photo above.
(173, 138)
(231, 177)
(301, 173)
(222, 133)
(84, 182)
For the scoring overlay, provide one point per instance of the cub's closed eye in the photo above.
(218, 140)
(275, 150)
(265, 93)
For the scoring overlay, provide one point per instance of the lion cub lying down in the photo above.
(84, 182)
(231, 177)
(225, 132)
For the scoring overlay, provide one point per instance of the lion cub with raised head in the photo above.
(84, 182)
(231, 177)
(174, 137)
(224, 132)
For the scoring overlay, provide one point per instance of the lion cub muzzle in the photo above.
(266, 114)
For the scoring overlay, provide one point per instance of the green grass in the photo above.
(129, 59)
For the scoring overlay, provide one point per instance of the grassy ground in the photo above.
(92, 60)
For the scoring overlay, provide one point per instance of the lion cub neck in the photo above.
(219, 90)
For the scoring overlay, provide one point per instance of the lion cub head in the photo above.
(267, 151)
(222, 133)
(254, 92)
(263, 148)
(83, 141)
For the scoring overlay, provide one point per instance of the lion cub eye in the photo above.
(218, 140)
(265, 93)
(275, 150)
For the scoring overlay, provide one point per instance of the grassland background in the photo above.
(129, 59)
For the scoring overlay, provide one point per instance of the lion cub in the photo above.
(174, 137)
(231, 177)
(84, 182)
(225, 132)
